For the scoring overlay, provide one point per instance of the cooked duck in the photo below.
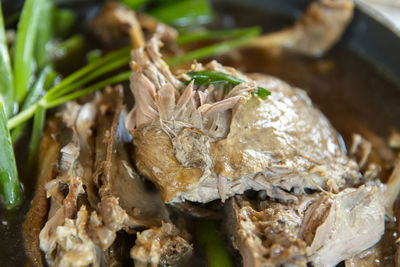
(315, 32)
(203, 143)
(94, 191)
(161, 246)
(199, 164)
(115, 23)
(322, 228)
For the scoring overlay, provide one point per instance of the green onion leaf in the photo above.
(262, 93)
(24, 46)
(122, 77)
(211, 241)
(62, 92)
(122, 53)
(37, 91)
(73, 45)
(37, 132)
(63, 22)
(206, 77)
(215, 49)
(94, 55)
(44, 34)
(13, 18)
(113, 65)
(6, 75)
(201, 35)
(9, 183)
(134, 4)
(183, 13)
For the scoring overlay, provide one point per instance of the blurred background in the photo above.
(390, 9)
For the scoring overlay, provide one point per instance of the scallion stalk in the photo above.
(37, 91)
(201, 35)
(9, 184)
(6, 75)
(24, 47)
(215, 49)
(37, 132)
(44, 34)
(211, 241)
(183, 13)
(124, 52)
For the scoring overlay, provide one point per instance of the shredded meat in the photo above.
(160, 246)
(202, 144)
(93, 191)
(320, 228)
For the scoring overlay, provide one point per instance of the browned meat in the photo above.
(266, 233)
(66, 189)
(93, 189)
(321, 228)
(315, 32)
(113, 23)
(153, 26)
(122, 191)
(201, 144)
(36, 216)
(162, 246)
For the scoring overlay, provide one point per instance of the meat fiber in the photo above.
(203, 143)
(322, 228)
(160, 246)
(93, 191)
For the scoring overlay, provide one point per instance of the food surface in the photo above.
(216, 144)
(181, 143)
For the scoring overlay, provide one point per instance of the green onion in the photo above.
(6, 76)
(37, 132)
(183, 13)
(94, 55)
(71, 46)
(201, 35)
(113, 65)
(9, 184)
(44, 34)
(124, 52)
(63, 22)
(11, 19)
(206, 77)
(122, 77)
(134, 4)
(211, 241)
(33, 96)
(61, 93)
(64, 85)
(24, 46)
(215, 49)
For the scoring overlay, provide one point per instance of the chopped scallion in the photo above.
(207, 77)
